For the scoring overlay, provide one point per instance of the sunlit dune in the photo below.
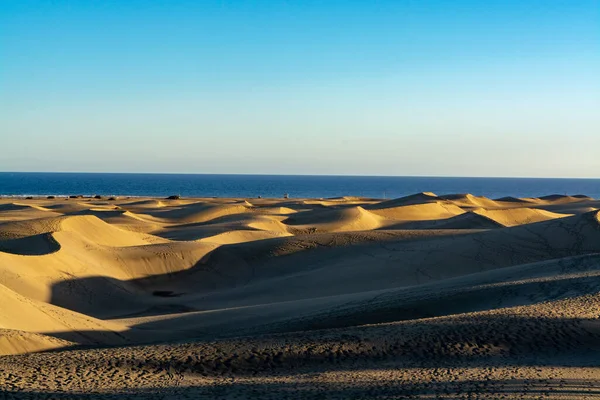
(356, 294)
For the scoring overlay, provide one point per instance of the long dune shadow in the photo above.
(226, 273)
(404, 307)
(394, 307)
(226, 267)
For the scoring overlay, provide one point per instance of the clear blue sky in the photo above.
(421, 87)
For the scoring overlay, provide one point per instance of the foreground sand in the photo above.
(427, 296)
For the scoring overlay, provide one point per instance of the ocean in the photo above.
(296, 186)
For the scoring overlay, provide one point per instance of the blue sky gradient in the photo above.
(444, 88)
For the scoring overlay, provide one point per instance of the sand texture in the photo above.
(425, 297)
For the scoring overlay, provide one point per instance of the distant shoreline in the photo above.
(276, 186)
(125, 197)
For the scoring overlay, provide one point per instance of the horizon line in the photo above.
(304, 175)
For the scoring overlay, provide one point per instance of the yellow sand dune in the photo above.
(419, 212)
(200, 212)
(336, 220)
(562, 199)
(21, 313)
(21, 342)
(124, 219)
(468, 200)
(86, 247)
(269, 224)
(99, 280)
(68, 206)
(468, 220)
(148, 203)
(20, 228)
(21, 207)
(275, 210)
(346, 199)
(518, 216)
(217, 291)
(95, 230)
(418, 198)
(511, 199)
(84, 226)
(246, 221)
(16, 211)
(243, 236)
(158, 259)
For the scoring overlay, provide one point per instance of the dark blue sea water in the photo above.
(161, 185)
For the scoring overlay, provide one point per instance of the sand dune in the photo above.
(419, 212)
(559, 198)
(150, 203)
(335, 220)
(20, 342)
(524, 201)
(243, 236)
(469, 220)
(468, 200)
(425, 296)
(24, 314)
(17, 211)
(418, 198)
(93, 229)
(200, 212)
(518, 216)
(276, 210)
(20, 207)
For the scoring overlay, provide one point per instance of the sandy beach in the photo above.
(426, 296)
